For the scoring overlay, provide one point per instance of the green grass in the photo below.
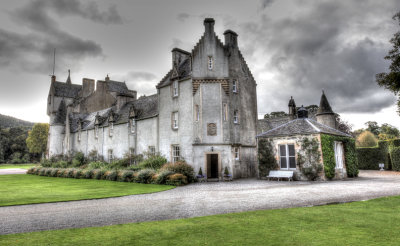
(374, 222)
(23, 166)
(26, 189)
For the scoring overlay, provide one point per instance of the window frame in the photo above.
(236, 153)
(287, 156)
(235, 85)
(175, 121)
(132, 125)
(236, 116)
(175, 153)
(175, 88)
(152, 149)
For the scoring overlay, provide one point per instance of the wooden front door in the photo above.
(212, 166)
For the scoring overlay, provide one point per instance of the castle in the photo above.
(205, 112)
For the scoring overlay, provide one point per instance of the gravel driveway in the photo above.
(196, 200)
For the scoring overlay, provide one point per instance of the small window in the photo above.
(175, 88)
(110, 155)
(235, 86)
(175, 119)
(236, 116)
(287, 156)
(132, 125)
(236, 150)
(111, 129)
(96, 132)
(210, 63)
(152, 150)
(175, 153)
(79, 135)
(197, 112)
(225, 113)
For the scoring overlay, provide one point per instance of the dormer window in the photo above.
(132, 125)
(210, 63)
(234, 86)
(175, 88)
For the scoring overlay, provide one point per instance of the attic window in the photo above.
(210, 63)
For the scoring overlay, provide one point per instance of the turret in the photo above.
(325, 114)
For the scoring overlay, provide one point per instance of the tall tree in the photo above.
(391, 80)
(373, 127)
(37, 139)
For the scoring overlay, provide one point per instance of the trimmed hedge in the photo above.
(328, 152)
(369, 158)
(395, 154)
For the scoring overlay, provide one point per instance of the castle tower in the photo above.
(325, 114)
(292, 108)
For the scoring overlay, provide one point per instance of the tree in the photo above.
(266, 158)
(391, 80)
(342, 125)
(37, 139)
(372, 126)
(366, 139)
(275, 115)
(388, 131)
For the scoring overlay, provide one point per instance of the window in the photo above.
(225, 113)
(175, 119)
(110, 155)
(175, 88)
(339, 155)
(210, 63)
(152, 150)
(175, 153)
(236, 152)
(197, 113)
(111, 129)
(235, 86)
(132, 124)
(287, 156)
(79, 135)
(96, 131)
(236, 116)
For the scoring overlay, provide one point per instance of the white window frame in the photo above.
(175, 88)
(210, 63)
(175, 120)
(287, 157)
(132, 124)
(235, 86)
(236, 116)
(175, 153)
(236, 151)
(339, 155)
(225, 113)
(152, 150)
(110, 155)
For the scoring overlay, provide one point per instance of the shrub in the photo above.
(180, 167)
(395, 154)
(266, 158)
(134, 168)
(366, 139)
(177, 179)
(111, 175)
(144, 176)
(60, 173)
(98, 173)
(32, 170)
(45, 163)
(60, 164)
(69, 173)
(78, 160)
(77, 173)
(163, 176)
(42, 171)
(154, 162)
(120, 164)
(369, 158)
(87, 173)
(125, 176)
(54, 172)
(97, 165)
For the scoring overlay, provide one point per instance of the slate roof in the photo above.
(62, 89)
(304, 126)
(145, 107)
(183, 69)
(324, 106)
(116, 86)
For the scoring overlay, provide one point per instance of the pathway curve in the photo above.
(12, 171)
(196, 200)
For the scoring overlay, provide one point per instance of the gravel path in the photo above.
(12, 171)
(196, 200)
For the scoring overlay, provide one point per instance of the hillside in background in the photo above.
(8, 121)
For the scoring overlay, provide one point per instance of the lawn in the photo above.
(374, 222)
(23, 166)
(27, 189)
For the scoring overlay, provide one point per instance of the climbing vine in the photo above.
(309, 158)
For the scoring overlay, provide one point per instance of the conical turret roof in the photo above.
(324, 106)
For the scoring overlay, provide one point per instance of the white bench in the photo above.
(280, 175)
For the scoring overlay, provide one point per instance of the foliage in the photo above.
(369, 158)
(145, 176)
(226, 171)
(388, 132)
(37, 138)
(275, 115)
(110, 175)
(177, 179)
(182, 168)
(13, 140)
(97, 165)
(266, 158)
(391, 80)
(327, 145)
(366, 139)
(395, 155)
(200, 173)
(125, 176)
(342, 125)
(79, 160)
(309, 159)
(163, 176)
(154, 162)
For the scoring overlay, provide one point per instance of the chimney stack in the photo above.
(209, 26)
(231, 39)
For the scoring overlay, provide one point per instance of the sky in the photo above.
(293, 48)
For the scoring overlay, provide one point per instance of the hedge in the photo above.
(395, 154)
(328, 153)
(369, 158)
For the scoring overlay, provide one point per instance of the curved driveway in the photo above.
(196, 200)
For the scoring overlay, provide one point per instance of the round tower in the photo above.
(325, 114)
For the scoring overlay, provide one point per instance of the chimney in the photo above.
(53, 78)
(87, 87)
(231, 39)
(209, 26)
(178, 56)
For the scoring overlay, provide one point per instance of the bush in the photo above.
(60, 173)
(78, 160)
(97, 165)
(45, 163)
(125, 176)
(144, 176)
(266, 158)
(32, 170)
(120, 164)
(98, 173)
(87, 173)
(180, 167)
(77, 173)
(60, 164)
(134, 168)
(395, 154)
(366, 139)
(54, 172)
(153, 162)
(110, 175)
(369, 158)
(163, 176)
(42, 171)
(177, 179)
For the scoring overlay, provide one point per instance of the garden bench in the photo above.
(280, 175)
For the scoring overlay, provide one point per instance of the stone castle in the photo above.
(204, 111)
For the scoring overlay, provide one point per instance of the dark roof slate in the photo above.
(302, 126)
(324, 106)
(183, 69)
(66, 90)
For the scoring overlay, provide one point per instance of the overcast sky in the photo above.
(293, 48)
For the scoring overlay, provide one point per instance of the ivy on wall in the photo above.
(266, 158)
(328, 153)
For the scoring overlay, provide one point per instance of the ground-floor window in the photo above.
(175, 152)
(152, 150)
(236, 153)
(339, 154)
(287, 156)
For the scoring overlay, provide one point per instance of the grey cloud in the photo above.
(141, 76)
(143, 82)
(182, 16)
(266, 3)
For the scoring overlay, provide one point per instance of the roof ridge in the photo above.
(334, 129)
(311, 124)
(261, 134)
